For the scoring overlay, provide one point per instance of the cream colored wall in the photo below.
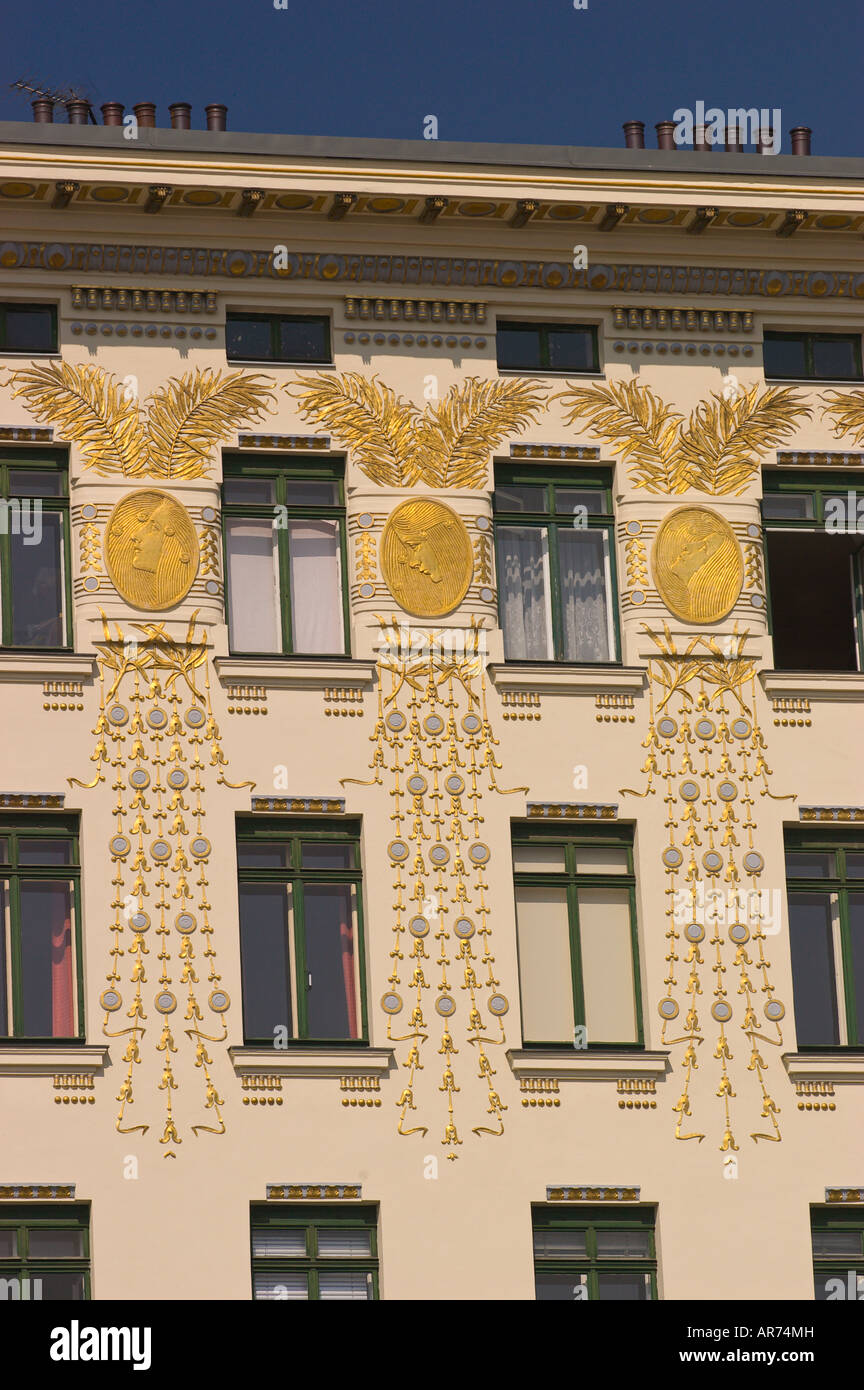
(180, 1229)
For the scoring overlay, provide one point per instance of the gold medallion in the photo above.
(697, 564)
(151, 550)
(426, 558)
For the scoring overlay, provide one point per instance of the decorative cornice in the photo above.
(29, 1060)
(102, 297)
(593, 1194)
(26, 436)
(553, 451)
(313, 1192)
(306, 443)
(683, 320)
(831, 813)
(314, 1062)
(328, 805)
(844, 1194)
(24, 801)
(37, 1192)
(821, 458)
(564, 810)
(583, 1064)
(416, 310)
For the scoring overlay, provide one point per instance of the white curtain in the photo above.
(316, 586)
(253, 586)
(584, 605)
(523, 576)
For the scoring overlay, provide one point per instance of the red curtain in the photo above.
(62, 1002)
(346, 934)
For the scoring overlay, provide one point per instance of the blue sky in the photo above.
(536, 71)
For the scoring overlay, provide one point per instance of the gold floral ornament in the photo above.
(426, 558)
(151, 550)
(846, 410)
(719, 449)
(174, 437)
(698, 566)
(446, 445)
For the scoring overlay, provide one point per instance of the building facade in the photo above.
(432, 842)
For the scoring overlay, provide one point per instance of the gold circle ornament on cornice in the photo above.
(426, 557)
(151, 549)
(697, 565)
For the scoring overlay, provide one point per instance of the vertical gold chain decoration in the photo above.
(159, 722)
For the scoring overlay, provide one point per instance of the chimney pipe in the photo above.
(665, 135)
(800, 136)
(634, 135)
(700, 141)
(217, 116)
(145, 113)
(181, 115)
(765, 140)
(78, 111)
(43, 111)
(112, 112)
(733, 141)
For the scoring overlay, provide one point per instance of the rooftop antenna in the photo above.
(59, 96)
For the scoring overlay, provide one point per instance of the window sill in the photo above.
(562, 678)
(296, 672)
(356, 1060)
(39, 1059)
(840, 1066)
(813, 380)
(572, 1065)
(814, 685)
(35, 665)
(586, 373)
(276, 362)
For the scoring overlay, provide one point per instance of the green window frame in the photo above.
(837, 1234)
(21, 1228)
(287, 481)
(11, 348)
(836, 873)
(574, 849)
(582, 1254)
(808, 341)
(47, 485)
(304, 1234)
(549, 500)
(299, 841)
(275, 322)
(540, 359)
(14, 876)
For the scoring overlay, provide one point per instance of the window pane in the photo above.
(835, 358)
(560, 1288)
(331, 998)
(318, 854)
(518, 346)
(607, 965)
(248, 337)
(46, 960)
(784, 356)
(523, 574)
(571, 351)
(274, 854)
(316, 586)
(30, 328)
(813, 972)
(253, 586)
(584, 597)
(45, 851)
(37, 582)
(835, 1284)
(514, 497)
(302, 493)
(545, 978)
(539, 859)
(854, 865)
(250, 492)
(788, 506)
(5, 1021)
(622, 1245)
(809, 865)
(344, 1244)
(36, 482)
(291, 1241)
(48, 1245)
(559, 1245)
(333, 1284)
(837, 1243)
(265, 960)
(61, 1285)
(568, 498)
(304, 340)
(8, 1244)
(601, 859)
(856, 940)
(623, 1288)
(4, 851)
(280, 1286)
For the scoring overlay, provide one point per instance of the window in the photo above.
(314, 1253)
(285, 558)
(45, 1252)
(576, 933)
(40, 947)
(277, 338)
(547, 347)
(28, 327)
(825, 894)
(838, 1253)
(815, 356)
(34, 546)
(553, 536)
(301, 931)
(595, 1253)
(811, 530)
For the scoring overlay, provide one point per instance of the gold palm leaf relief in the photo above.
(846, 410)
(367, 417)
(457, 436)
(724, 440)
(87, 406)
(638, 425)
(189, 416)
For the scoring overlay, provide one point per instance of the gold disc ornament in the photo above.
(151, 549)
(426, 558)
(697, 564)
